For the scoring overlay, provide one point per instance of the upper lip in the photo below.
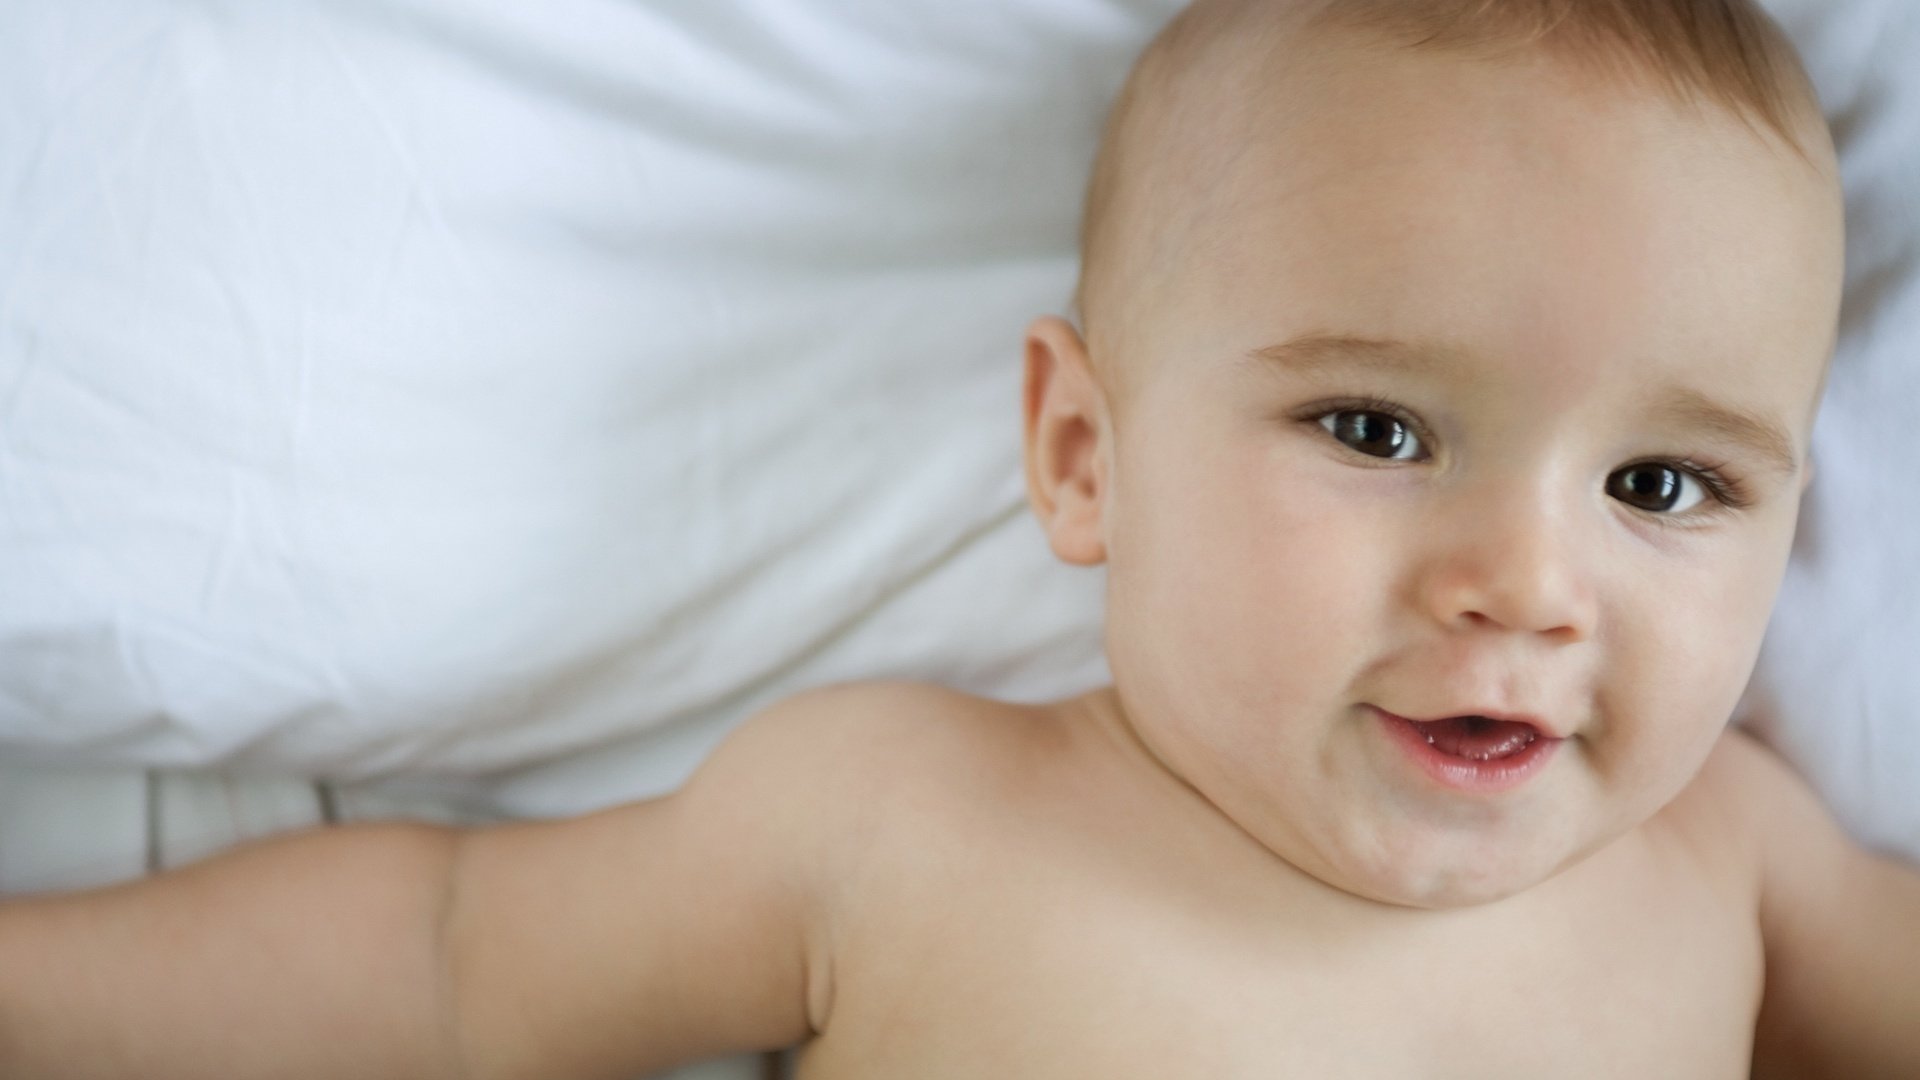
(1537, 722)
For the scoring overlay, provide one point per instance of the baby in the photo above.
(1441, 416)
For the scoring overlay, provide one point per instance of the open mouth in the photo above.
(1476, 754)
(1476, 738)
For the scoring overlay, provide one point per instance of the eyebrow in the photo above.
(1757, 433)
(1311, 354)
(1314, 354)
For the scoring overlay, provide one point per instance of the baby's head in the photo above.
(1442, 358)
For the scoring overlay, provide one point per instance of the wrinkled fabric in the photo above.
(418, 385)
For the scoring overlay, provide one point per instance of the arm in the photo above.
(304, 955)
(611, 945)
(1842, 934)
(647, 936)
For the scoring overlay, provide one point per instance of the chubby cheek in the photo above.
(1678, 656)
(1238, 595)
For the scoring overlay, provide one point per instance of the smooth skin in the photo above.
(1219, 866)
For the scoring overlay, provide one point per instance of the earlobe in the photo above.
(1066, 425)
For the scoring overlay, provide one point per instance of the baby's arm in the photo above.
(610, 945)
(1842, 934)
(303, 954)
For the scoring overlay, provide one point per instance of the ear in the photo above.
(1068, 442)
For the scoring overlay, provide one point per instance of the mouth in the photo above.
(1477, 738)
(1474, 753)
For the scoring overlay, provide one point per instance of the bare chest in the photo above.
(1042, 967)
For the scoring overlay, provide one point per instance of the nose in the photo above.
(1512, 564)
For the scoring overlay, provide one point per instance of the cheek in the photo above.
(1248, 584)
(1704, 622)
(1679, 659)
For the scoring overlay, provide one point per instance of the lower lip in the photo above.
(1463, 774)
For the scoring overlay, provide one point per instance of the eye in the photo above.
(1373, 433)
(1656, 488)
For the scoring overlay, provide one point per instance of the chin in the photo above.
(1437, 882)
(1443, 896)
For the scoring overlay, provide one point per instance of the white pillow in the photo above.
(421, 385)
(418, 385)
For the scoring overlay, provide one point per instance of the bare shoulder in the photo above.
(892, 714)
(1740, 769)
(859, 754)
(1730, 809)
(876, 776)
(898, 755)
(1799, 852)
(857, 739)
(1747, 768)
(1842, 962)
(1766, 808)
(707, 921)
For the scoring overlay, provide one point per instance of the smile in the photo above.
(1474, 754)
(1477, 738)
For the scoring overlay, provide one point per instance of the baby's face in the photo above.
(1536, 447)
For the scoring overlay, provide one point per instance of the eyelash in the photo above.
(1725, 488)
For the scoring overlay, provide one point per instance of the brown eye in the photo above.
(1372, 433)
(1654, 488)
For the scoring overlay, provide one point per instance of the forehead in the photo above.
(1517, 211)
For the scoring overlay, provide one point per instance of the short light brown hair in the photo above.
(1728, 52)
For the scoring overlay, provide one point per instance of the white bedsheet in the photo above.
(448, 387)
